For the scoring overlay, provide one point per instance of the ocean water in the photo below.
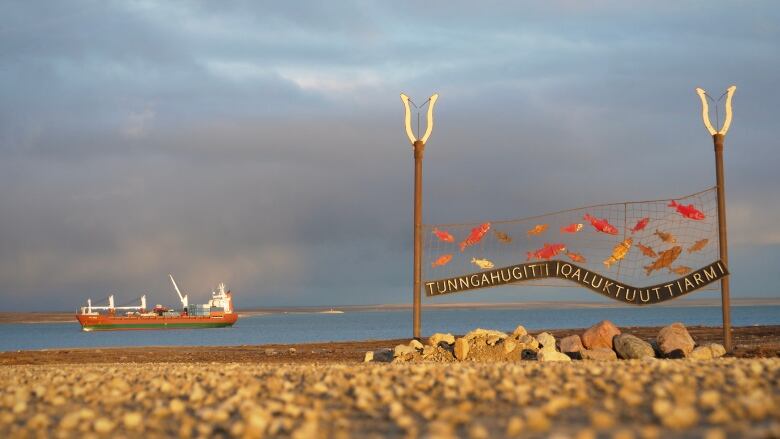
(315, 327)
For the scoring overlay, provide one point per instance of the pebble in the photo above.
(461, 349)
(729, 397)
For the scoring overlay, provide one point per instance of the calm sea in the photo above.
(315, 327)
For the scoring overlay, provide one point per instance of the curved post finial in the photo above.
(705, 111)
(408, 119)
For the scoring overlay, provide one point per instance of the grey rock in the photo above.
(631, 347)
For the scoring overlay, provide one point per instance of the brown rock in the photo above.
(701, 353)
(461, 349)
(600, 354)
(600, 335)
(572, 343)
(674, 341)
(519, 331)
(717, 350)
(552, 355)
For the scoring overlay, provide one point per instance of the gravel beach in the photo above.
(720, 398)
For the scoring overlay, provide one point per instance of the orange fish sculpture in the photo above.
(576, 257)
(443, 235)
(572, 228)
(640, 225)
(503, 237)
(476, 235)
(681, 270)
(665, 237)
(665, 259)
(647, 251)
(441, 261)
(547, 252)
(698, 245)
(602, 225)
(688, 211)
(619, 252)
(538, 229)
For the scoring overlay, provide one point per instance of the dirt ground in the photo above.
(750, 342)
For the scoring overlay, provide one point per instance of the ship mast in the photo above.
(182, 298)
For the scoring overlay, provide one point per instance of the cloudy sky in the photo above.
(261, 143)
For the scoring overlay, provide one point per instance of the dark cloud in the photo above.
(261, 143)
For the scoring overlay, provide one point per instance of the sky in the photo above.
(262, 143)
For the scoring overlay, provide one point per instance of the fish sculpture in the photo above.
(547, 252)
(576, 257)
(443, 235)
(538, 229)
(688, 211)
(681, 270)
(503, 237)
(482, 263)
(647, 251)
(602, 225)
(619, 252)
(641, 224)
(441, 261)
(476, 235)
(572, 228)
(665, 237)
(665, 259)
(698, 245)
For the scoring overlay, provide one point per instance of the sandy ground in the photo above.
(751, 341)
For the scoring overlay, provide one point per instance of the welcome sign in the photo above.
(594, 281)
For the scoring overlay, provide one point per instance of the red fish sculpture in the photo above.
(688, 211)
(475, 236)
(441, 261)
(641, 224)
(602, 225)
(443, 235)
(547, 252)
(572, 228)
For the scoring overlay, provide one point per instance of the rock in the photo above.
(546, 341)
(485, 333)
(717, 350)
(674, 341)
(292, 350)
(383, 355)
(701, 353)
(600, 335)
(416, 344)
(369, 357)
(517, 333)
(509, 346)
(572, 343)
(402, 351)
(551, 355)
(631, 347)
(528, 342)
(493, 339)
(461, 348)
(437, 338)
(600, 354)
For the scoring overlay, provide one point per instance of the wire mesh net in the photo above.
(630, 242)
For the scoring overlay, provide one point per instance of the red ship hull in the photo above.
(124, 323)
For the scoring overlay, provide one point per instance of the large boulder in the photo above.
(674, 341)
(552, 355)
(599, 354)
(600, 335)
(630, 347)
(572, 343)
(546, 341)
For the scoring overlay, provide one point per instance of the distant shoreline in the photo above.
(59, 317)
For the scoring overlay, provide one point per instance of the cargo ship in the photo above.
(217, 313)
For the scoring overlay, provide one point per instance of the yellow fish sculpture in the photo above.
(538, 229)
(482, 263)
(619, 252)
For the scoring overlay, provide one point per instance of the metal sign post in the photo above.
(419, 149)
(718, 137)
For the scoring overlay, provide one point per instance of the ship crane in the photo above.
(90, 309)
(184, 300)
